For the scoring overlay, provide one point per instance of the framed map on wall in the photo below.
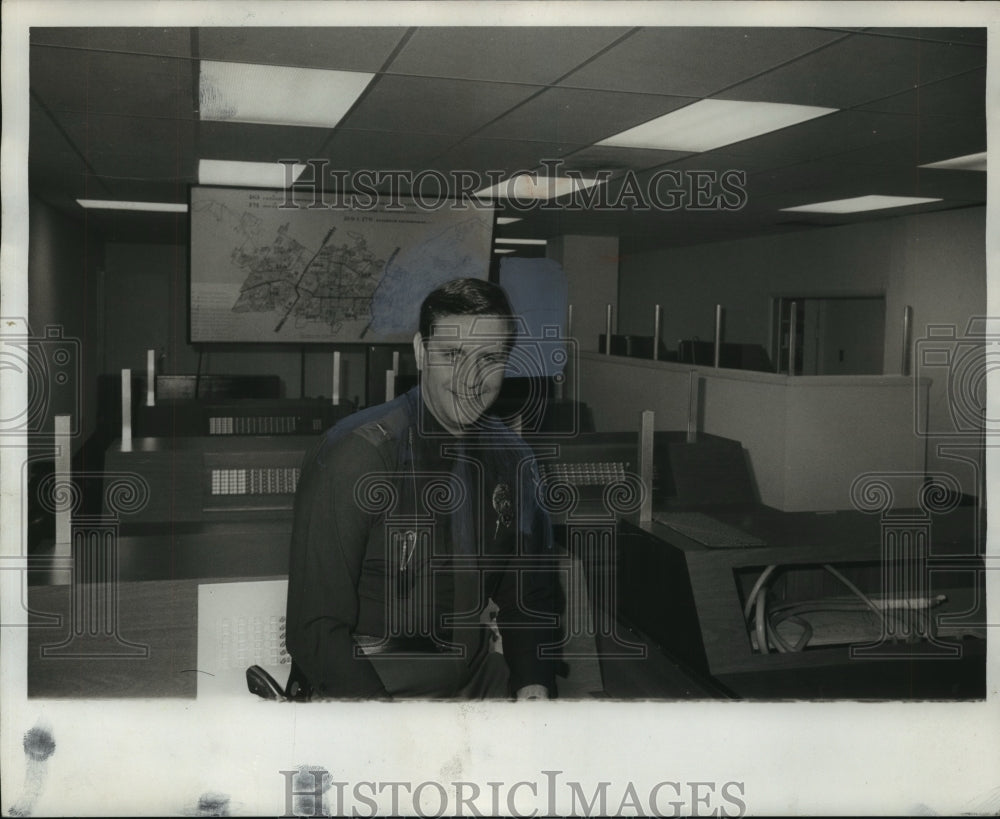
(268, 268)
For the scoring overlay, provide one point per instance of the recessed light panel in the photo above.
(861, 203)
(526, 187)
(247, 174)
(502, 241)
(277, 94)
(709, 124)
(110, 204)
(969, 162)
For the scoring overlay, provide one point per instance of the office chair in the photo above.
(261, 683)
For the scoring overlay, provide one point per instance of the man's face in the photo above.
(462, 366)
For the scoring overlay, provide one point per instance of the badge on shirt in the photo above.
(503, 507)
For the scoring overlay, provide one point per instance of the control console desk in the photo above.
(694, 600)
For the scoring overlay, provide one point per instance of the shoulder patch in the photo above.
(374, 432)
(388, 429)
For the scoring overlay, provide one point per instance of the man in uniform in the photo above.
(412, 515)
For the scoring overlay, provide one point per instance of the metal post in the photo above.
(692, 427)
(718, 332)
(657, 316)
(336, 378)
(150, 378)
(907, 320)
(793, 322)
(646, 466)
(63, 469)
(776, 339)
(126, 410)
(607, 332)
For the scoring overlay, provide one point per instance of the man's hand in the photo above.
(532, 692)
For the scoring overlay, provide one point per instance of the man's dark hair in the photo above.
(464, 297)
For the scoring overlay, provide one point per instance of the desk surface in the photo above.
(153, 652)
(160, 617)
(843, 534)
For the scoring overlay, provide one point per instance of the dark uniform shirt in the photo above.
(401, 534)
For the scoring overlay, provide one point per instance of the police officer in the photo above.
(414, 515)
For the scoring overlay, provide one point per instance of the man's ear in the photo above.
(418, 349)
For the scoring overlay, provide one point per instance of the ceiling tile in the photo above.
(831, 134)
(344, 49)
(839, 180)
(48, 142)
(168, 42)
(961, 95)
(952, 185)
(136, 227)
(723, 160)
(132, 147)
(948, 137)
(695, 61)
(507, 156)
(433, 106)
(858, 69)
(62, 184)
(968, 36)
(111, 83)
(903, 151)
(931, 140)
(580, 115)
(521, 54)
(145, 190)
(609, 157)
(357, 150)
(258, 143)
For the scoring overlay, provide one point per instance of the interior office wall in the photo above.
(851, 336)
(807, 439)
(933, 262)
(591, 265)
(65, 292)
(941, 274)
(147, 308)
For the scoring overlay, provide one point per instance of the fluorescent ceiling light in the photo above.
(508, 220)
(969, 162)
(500, 241)
(108, 204)
(709, 124)
(861, 203)
(526, 186)
(504, 249)
(246, 174)
(277, 94)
